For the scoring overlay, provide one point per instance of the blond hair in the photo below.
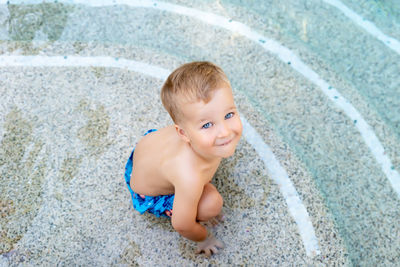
(191, 82)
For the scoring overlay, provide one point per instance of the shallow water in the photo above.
(321, 91)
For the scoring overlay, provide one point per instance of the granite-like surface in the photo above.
(86, 123)
(66, 133)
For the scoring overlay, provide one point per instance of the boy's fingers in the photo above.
(219, 244)
(208, 252)
(214, 250)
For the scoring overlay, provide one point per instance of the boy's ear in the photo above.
(181, 133)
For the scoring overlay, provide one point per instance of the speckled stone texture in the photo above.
(74, 145)
(66, 133)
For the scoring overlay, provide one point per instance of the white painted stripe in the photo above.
(73, 61)
(366, 25)
(285, 55)
(276, 171)
(281, 178)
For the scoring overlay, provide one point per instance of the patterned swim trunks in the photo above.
(158, 205)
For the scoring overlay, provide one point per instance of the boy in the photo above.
(173, 167)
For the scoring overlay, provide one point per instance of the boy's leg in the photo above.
(210, 203)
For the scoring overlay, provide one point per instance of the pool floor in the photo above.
(314, 180)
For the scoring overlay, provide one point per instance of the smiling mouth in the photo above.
(225, 143)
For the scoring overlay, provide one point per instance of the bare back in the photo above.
(157, 158)
(150, 154)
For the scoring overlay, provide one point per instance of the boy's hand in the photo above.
(209, 246)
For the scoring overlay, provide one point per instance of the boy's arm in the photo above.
(187, 195)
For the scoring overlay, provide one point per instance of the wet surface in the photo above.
(66, 133)
(23, 174)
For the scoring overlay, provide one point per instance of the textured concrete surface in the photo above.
(66, 133)
(80, 210)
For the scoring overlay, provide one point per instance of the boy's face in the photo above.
(213, 129)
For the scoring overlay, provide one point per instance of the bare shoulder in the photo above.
(163, 163)
(156, 139)
(179, 166)
(154, 146)
(184, 168)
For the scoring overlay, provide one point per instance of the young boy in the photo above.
(173, 167)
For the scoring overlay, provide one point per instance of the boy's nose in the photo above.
(223, 130)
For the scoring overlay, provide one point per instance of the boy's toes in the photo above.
(219, 244)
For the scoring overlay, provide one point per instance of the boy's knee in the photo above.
(218, 204)
(215, 205)
(211, 203)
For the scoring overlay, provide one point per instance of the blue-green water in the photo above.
(363, 69)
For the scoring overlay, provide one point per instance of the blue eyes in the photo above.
(209, 124)
(229, 115)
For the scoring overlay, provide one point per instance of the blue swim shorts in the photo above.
(158, 205)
